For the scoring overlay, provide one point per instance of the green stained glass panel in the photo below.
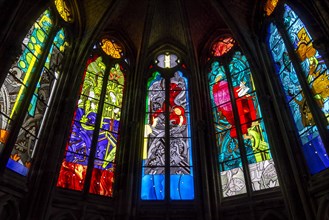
(116, 75)
(111, 112)
(60, 40)
(45, 21)
(114, 94)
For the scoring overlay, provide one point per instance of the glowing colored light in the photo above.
(112, 49)
(222, 46)
(63, 10)
(270, 6)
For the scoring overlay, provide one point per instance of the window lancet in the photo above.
(304, 79)
(35, 64)
(244, 149)
(167, 152)
(91, 148)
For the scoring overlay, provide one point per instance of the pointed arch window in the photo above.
(89, 161)
(167, 168)
(245, 159)
(27, 91)
(304, 80)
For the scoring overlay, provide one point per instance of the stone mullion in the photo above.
(243, 153)
(98, 122)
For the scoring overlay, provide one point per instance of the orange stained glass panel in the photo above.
(222, 46)
(112, 49)
(270, 6)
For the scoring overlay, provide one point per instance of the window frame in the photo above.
(109, 62)
(16, 126)
(168, 73)
(277, 18)
(224, 61)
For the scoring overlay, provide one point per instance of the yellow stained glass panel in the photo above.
(111, 48)
(63, 10)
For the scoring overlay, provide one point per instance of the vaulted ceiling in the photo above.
(185, 23)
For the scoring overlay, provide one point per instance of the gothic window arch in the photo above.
(90, 154)
(245, 160)
(27, 90)
(167, 166)
(303, 77)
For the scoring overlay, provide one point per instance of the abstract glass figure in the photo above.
(240, 131)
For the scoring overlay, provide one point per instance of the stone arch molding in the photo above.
(9, 209)
(323, 210)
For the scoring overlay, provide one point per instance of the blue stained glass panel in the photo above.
(182, 186)
(238, 63)
(312, 63)
(316, 156)
(83, 126)
(154, 160)
(217, 73)
(106, 146)
(251, 126)
(295, 97)
(274, 37)
(153, 186)
(289, 16)
(228, 149)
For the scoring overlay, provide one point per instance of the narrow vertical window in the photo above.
(167, 153)
(299, 76)
(36, 63)
(91, 147)
(240, 131)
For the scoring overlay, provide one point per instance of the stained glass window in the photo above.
(167, 151)
(19, 80)
(63, 10)
(167, 60)
(222, 46)
(270, 6)
(93, 140)
(314, 71)
(111, 48)
(241, 136)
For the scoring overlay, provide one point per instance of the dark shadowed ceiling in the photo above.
(187, 24)
(148, 23)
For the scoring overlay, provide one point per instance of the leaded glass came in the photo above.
(95, 128)
(18, 82)
(167, 132)
(233, 94)
(315, 73)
